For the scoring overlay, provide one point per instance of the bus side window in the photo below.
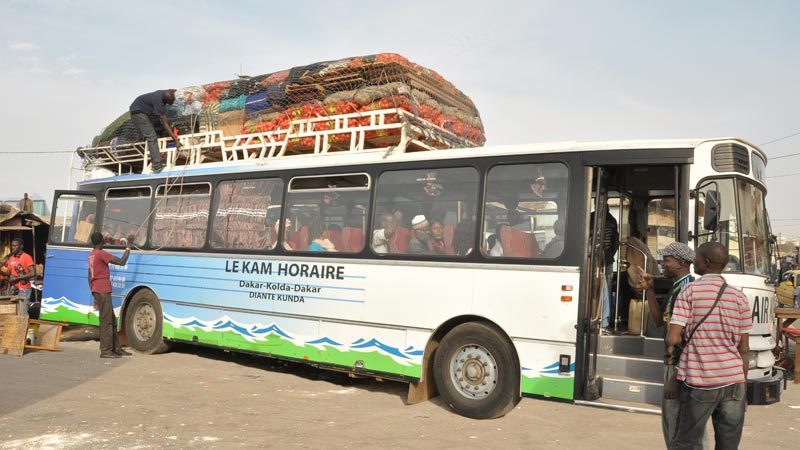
(524, 212)
(73, 220)
(126, 211)
(181, 215)
(247, 214)
(425, 212)
(327, 214)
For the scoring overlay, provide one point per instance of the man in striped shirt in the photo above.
(713, 364)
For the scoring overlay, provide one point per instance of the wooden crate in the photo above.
(47, 336)
(13, 330)
(11, 305)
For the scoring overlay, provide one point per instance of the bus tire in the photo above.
(143, 323)
(476, 371)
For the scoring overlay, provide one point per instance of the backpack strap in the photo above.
(719, 295)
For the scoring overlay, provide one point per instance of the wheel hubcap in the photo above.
(474, 372)
(144, 322)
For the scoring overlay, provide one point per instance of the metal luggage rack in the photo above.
(406, 133)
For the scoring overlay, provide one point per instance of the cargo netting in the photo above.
(364, 102)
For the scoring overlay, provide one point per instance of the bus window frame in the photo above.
(245, 176)
(98, 216)
(105, 192)
(286, 207)
(537, 259)
(368, 186)
(427, 167)
(164, 182)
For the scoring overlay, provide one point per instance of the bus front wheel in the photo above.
(476, 372)
(143, 323)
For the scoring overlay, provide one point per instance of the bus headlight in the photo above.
(752, 358)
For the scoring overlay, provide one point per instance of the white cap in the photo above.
(419, 222)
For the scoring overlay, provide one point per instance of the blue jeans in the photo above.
(725, 406)
(26, 295)
(670, 411)
(143, 124)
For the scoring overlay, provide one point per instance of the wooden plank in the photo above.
(13, 330)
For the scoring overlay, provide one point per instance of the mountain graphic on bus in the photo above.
(271, 329)
(321, 342)
(259, 332)
(365, 345)
(50, 305)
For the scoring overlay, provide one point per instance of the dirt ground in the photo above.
(203, 398)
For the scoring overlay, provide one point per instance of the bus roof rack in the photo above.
(393, 130)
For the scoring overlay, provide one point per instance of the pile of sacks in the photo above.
(269, 102)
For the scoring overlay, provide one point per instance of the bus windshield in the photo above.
(741, 223)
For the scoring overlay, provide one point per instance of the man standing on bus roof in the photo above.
(713, 365)
(100, 286)
(21, 271)
(153, 104)
(677, 267)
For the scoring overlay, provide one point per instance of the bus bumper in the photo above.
(765, 391)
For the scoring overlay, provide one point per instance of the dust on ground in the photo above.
(205, 398)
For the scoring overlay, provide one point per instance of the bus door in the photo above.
(593, 313)
(71, 225)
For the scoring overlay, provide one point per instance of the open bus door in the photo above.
(593, 312)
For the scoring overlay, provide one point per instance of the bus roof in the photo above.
(376, 156)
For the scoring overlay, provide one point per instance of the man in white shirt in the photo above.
(381, 236)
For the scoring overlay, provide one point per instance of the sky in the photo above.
(538, 71)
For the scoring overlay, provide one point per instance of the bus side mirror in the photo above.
(711, 214)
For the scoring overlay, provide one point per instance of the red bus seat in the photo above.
(300, 239)
(353, 239)
(517, 243)
(398, 243)
(336, 237)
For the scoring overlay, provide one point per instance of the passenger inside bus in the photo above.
(420, 242)
(439, 243)
(321, 238)
(382, 236)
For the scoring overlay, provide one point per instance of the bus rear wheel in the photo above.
(143, 323)
(476, 372)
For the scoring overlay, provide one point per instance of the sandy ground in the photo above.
(203, 398)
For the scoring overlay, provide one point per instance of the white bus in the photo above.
(487, 287)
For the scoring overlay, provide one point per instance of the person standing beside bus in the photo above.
(21, 271)
(153, 104)
(100, 286)
(677, 267)
(713, 319)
